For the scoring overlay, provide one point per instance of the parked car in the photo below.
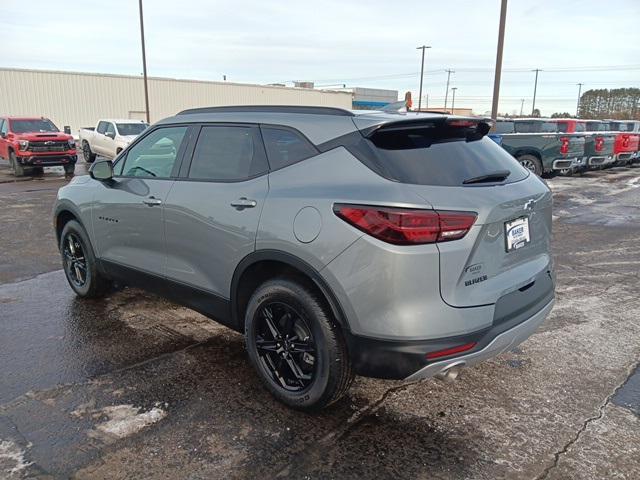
(31, 143)
(627, 142)
(598, 147)
(392, 246)
(109, 137)
(537, 145)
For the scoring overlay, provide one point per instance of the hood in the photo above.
(43, 136)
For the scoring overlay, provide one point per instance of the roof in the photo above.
(23, 117)
(121, 120)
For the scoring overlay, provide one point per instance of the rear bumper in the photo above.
(498, 345)
(564, 163)
(624, 156)
(597, 161)
(516, 316)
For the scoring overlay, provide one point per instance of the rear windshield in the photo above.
(411, 157)
(580, 127)
(622, 126)
(597, 127)
(32, 126)
(131, 128)
(504, 127)
(536, 127)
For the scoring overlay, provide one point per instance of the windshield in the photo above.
(131, 128)
(35, 125)
(536, 127)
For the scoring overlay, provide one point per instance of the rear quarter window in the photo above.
(285, 147)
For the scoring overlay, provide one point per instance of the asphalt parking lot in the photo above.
(135, 387)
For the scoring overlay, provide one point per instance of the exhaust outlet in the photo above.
(450, 374)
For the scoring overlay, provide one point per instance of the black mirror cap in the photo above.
(102, 170)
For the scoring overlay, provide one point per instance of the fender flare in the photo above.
(298, 264)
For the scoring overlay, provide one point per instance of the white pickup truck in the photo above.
(109, 137)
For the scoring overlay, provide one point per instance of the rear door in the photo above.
(509, 244)
(212, 212)
(127, 215)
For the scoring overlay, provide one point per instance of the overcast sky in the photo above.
(361, 43)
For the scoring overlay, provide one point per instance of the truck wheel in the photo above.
(18, 169)
(88, 155)
(531, 163)
(69, 169)
(295, 345)
(79, 262)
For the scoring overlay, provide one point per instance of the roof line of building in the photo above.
(165, 79)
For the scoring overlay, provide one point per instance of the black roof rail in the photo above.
(271, 109)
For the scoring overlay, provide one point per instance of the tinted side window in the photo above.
(581, 127)
(3, 126)
(227, 153)
(109, 128)
(563, 127)
(504, 127)
(101, 127)
(154, 155)
(285, 147)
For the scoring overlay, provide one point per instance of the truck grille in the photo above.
(48, 146)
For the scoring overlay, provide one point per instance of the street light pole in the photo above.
(578, 105)
(496, 80)
(423, 48)
(446, 93)
(144, 63)
(453, 99)
(535, 88)
(521, 105)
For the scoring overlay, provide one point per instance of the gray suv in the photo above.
(400, 246)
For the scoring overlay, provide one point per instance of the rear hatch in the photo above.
(455, 170)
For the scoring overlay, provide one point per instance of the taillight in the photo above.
(404, 226)
(599, 144)
(564, 148)
(625, 140)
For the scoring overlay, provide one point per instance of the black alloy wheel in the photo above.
(285, 347)
(75, 262)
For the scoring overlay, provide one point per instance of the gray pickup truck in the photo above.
(538, 145)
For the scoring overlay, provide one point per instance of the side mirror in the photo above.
(3, 134)
(102, 170)
(111, 135)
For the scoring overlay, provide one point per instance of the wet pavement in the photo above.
(132, 386)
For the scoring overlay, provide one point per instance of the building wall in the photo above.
(80, 99)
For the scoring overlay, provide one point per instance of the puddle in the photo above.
(629, 395)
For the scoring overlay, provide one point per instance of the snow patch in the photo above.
(12, 459)
(125, 420)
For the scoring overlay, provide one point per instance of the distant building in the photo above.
(370, 98)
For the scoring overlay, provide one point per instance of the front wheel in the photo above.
(531, 163)
(295, 345)
(18, 169)
(88, 155)
(79, 262)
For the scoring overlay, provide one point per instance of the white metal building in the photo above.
(80, 99)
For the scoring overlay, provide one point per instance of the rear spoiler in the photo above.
(470, 128)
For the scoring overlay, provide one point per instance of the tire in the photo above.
(86, 281)
(18, 169)
(322, 370)
(88, 155)
(566, 172)
(531, 163)
(69, 169)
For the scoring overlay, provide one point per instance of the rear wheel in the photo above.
(531, 163)
(79, 262)
(88, 155)
(295, 345)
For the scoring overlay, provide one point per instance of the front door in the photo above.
(212, 212)
(128, 213)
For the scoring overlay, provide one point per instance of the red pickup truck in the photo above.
(627, 140)
(32, 143)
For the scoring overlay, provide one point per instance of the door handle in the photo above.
(151, 201)
(243, 202)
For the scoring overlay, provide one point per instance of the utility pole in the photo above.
(453, 98)
(521, 105)
(535, 88)
(427, 100)
(496, 80)
(423, 48)
(578, 105)
(144, 64)
(446, 93)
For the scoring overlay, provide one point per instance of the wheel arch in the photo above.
(65, 212)
(261, 265)
(528, 151)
